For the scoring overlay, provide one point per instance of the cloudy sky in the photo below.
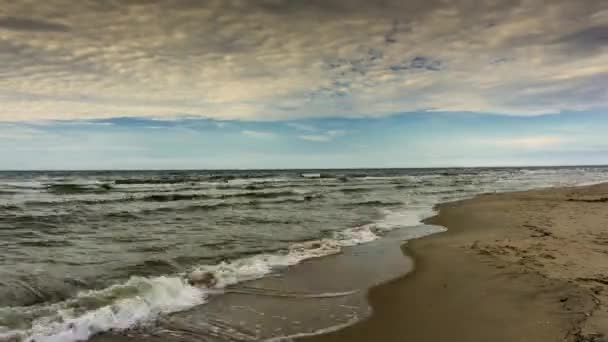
(302, 83)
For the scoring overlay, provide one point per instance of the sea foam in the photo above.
(138, 301)
(141, 300)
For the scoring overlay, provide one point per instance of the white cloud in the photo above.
(323, 136)
(317, 138)
(259, 134)
(336, 132)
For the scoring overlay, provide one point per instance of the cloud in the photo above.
(594, 38)
(302, 127)
(527, 141)
(259, 134)
(317, 138)
(27, 24)
(84, 123)
(336, 132)
(323, 136)
(263, 60)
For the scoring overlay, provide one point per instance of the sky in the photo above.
(129, 84)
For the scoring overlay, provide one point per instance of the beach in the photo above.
(524, 266)
(321, 170)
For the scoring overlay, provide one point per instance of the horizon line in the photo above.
(315, 169)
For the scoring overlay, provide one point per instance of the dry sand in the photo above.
(528, 266)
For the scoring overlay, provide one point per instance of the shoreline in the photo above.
(296, 304)
(499, 273)
(466, 284)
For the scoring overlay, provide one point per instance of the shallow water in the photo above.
(88, 252)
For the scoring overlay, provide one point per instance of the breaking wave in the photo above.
(119, 307)
(141, 300)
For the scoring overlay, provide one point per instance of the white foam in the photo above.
(356, 236)
(232, 272)
(247, 181)
(257, 266)
(411, 217)
(141, 300)
(153, 296)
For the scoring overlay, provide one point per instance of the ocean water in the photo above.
(82, 253)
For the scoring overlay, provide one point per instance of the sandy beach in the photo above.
(526, 266)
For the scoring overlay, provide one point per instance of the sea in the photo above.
(87, 253)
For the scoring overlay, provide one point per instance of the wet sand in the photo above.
(528, 266)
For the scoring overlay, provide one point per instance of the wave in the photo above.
(352, 190)
(264, 194)
(54, 220)
(405, 186)
(74, 188)
(265, 185)
(376, 203)
(139, 301)
(150, 267)
(229, 273)
(171, 197)
(222, 205)
(142, 300)
(30, 290)
(24, 186)
(45, 243)
(122, 215)
(197, 207)
(10, 207)
(135, 181)
(192, 179)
